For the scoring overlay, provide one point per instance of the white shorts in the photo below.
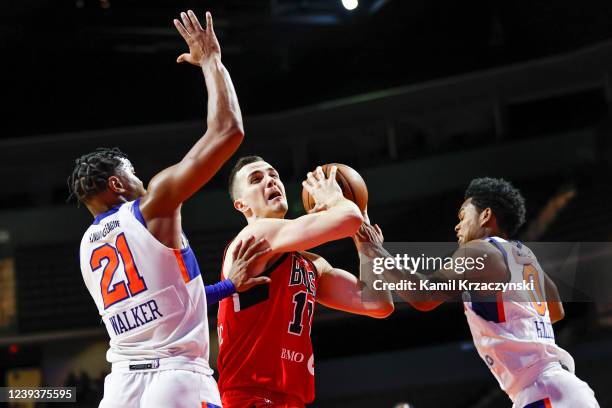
(556, 388)
(160, 389)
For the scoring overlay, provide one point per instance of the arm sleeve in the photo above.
(219, 291)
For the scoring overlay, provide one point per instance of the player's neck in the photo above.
(494, 233)
(253, 217)
(97, 207)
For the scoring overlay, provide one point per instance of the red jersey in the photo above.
(264, 333)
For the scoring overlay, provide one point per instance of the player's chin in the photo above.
(280, 207)
(283, 206)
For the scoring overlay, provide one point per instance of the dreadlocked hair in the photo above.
(502, 198)
(91, 172)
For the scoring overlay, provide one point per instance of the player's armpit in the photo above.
(341, 290)
(308, 231)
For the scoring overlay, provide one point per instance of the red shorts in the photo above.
(258, 398)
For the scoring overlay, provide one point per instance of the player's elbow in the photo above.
(382, 310)
(228, 132)
(424, 306)
(232, 134)
(558, 317)
(352, 221)
(556, 311)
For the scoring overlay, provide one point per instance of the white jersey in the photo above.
(512, 331)
(151, 297)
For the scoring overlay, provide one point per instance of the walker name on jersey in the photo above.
(134, 317)
(302, 274)
(108, 227)
(544, 329)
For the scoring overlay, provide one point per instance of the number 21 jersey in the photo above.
(151, 297)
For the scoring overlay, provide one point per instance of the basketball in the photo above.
(350, 181)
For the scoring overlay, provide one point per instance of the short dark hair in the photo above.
(243, 161)
(502, 198)
(91, 172)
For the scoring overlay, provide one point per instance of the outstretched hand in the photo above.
(369, 237)
(202, 42)
(245, 254)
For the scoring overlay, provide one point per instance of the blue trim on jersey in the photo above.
(485, 307)
(209, 405)
(138, 214)
(193, 269)
(537, 404)
(100, 217)
(500, 247)
(219, 291)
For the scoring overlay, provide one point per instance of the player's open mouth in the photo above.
(274, 195)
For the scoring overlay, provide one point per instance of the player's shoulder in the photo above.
(245, 233)
(263, 225)
(481, 247)
(522, 248)
(311, 256)
(522, 254)
(100, 221)
(490, 258)
(507, 249)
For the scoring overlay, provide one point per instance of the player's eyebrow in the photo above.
(260, 171)
(253, 174)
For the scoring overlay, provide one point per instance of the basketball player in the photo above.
(138, 265)
(512, 331)
(265, 351)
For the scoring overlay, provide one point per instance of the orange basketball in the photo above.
(352, 185)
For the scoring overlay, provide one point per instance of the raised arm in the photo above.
(172, 186)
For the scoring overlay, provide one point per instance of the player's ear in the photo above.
(485, 216)
(241, 206)
(115, 185)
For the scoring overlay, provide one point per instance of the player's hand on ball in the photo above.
(202, 42)
(245, 254)
(325, 190)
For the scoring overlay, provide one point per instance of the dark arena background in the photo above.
(420, 96)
